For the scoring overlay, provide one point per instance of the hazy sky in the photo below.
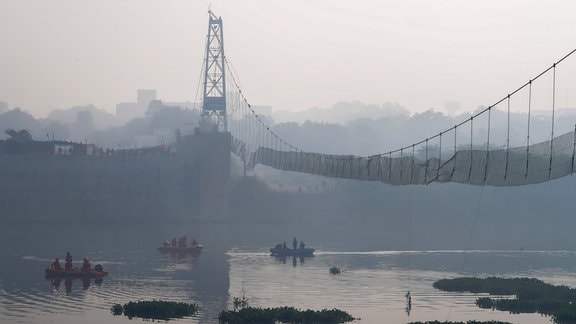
(288, 54)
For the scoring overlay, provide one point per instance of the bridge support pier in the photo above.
(210, 162)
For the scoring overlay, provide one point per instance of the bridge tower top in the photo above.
(214, 100)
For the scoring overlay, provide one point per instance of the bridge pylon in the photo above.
(212, 141)
(214, 99)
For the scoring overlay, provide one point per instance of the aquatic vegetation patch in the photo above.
(283, 315)
(155, 309)
(530, 296)
(240, 302)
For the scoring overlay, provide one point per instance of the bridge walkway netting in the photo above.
(476, 162)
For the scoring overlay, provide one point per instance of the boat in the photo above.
(284, 252)
(55, 270)
(97, 272)
(183, 249)
(180, 246)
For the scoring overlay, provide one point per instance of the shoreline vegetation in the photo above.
(527, 295)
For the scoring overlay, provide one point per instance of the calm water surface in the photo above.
(235, 263)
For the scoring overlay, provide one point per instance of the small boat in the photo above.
(283, 252)
(180, 246)
(183, 249)
(97, 272)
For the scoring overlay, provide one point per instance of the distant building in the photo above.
(127, 111)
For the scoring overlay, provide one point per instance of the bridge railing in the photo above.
(462, 154)
(503, 167)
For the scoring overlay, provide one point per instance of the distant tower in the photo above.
(214, 103)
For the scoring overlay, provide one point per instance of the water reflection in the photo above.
(174, 255)
(391, 285)
(373, 286)
(295, 259)
(137, 271)
(68, 282)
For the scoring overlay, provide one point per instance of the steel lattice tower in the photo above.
(214, 102)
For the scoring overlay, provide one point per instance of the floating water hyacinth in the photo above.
(155, 309)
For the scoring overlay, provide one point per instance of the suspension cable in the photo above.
(573, 150)
(487, 147)
(439, 158)
(528, 133)
(471, 146)
(507, 142)
(553, 109)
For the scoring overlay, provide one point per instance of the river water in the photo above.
(372, 285)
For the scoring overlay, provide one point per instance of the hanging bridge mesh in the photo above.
(427, 161)
(505, 167)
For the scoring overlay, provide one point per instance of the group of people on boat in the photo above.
(181, 242)
(86, 266)
(295, 245)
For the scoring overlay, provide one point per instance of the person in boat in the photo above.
(284, 245)
(174, 242)
(302, 245)
(86, 267)
(194, 242)
(56, 265)
(182, 241)
(294, 243)
(68, 263)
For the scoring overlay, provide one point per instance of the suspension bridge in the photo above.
(466, 153)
